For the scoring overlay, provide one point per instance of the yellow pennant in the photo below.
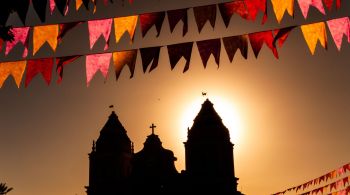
(314, 32)
(125, 24)
(42, 34)
(16, 69)
(78, 4)
(280, 7)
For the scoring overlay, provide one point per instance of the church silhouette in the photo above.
(116, 170)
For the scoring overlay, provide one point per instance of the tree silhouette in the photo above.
(4, 189)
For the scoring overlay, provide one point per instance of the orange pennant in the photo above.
(122, 58)
(314, 33)
(280, 7)
(123, 24)
(42, 34)
(16, 69)
(78, 4)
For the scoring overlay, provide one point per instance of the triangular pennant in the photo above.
(230, 8)
(1, 44)
(208, 47)
(305, 6)
(16, 69)
(338, 4)
(338, 28)
(98, 28)
(125, 24)
(20, 36)
(313, 33)
(42, 34)
(61, 6)
(78, 4)
(22, 10)
(282, 35)
(329, 4)
(64, 28)
(43, 66)
(147, 20)
(52, 6)
(236, 42)
(258, 39)
(95, 62)
(174, 17)
(61, 62)
(203, 14)
(148, 55)
(177, 51)
(254, 6)
(40, 8)
(122, 58)
(280, 7)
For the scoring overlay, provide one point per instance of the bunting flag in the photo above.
(258, 39)
(52, 6)
(123, 24)
(174, 17)
(42, 34)
(230, 8)
(1, 43)
(122, 58)
(203, 14)
(313, 33)
(280, 7)
(22, 10)
(147, 20)
(43, 66)
(208, 47)
(329, 4)
(40, 8)
(338, 28)
(97, 62)
(62, 6)
(177, 51)
(148, 55)
(305, 6)
(78, 4)
(20, 36)
(254, 6)
(64, 28)
(282, 35)
(61, 62)
(98, 28)
(236, 42)
(16, 69)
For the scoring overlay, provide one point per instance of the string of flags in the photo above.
(313, 33)
(339, 187)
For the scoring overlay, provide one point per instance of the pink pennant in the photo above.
(338, 28)
(52, 6)
(97, 62)
(20, 36)
(98, 28)
(305, 6)
(43, 66)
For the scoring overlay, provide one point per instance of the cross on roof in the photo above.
(152, 127)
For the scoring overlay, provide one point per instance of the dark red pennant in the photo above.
(282, 35)
(43, 66)
(86, 3)
(203, 14)
(329, 4)
(66, 27)
(174, 17)
(129, 58)
(230, 8)
(258, 39)
(149, 19)
(1, 43)
(22, 9)
(236, 42)
(180, 50)
(338, 4)
(61, 5)
(148, 55)
(61, 62)
(208, 47)
(40, 8)
(254, 6)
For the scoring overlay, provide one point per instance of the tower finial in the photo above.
(152, 127)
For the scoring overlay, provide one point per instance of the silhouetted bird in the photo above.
(204, 93)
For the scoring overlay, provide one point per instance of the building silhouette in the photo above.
(116, 170)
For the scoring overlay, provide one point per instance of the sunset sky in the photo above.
(288, 117)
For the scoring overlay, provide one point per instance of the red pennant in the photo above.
(177, 51)
(61, 62)
(258, 39)
(203, 14)
(43, 66)
(282, 35)
(120, 59)
(236, 42)
(230, 8)
(1, 43)
(174, 17)
(66, 27)
(208, 47)
(147, 20)
(329, 4)
(40, 8)
(148, 55)
(254, 6)
(338, 4)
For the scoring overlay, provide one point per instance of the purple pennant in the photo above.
(147, 20)
(40, 8)
(174, 17)
(208, 47)
(180, 50)
(232, 44)
(203, 14)
(148, 55)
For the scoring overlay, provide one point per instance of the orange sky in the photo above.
(293, 113)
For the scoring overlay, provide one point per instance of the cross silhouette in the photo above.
(152, 127)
